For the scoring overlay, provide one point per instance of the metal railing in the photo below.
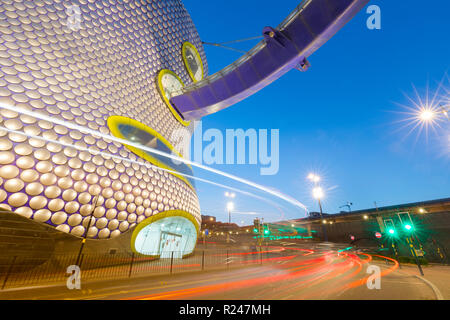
(24, 271)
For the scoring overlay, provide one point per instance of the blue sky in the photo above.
(339, 117)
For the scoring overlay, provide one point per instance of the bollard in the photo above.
(171, 263)
(203, 260)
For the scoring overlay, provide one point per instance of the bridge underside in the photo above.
(310, 26)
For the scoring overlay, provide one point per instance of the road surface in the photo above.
(323, 272)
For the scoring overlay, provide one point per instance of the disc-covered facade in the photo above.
(93, 64)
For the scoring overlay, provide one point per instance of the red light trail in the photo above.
(291, 273)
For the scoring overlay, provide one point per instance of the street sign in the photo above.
(419, 252)
(206, 232)
(377, 235)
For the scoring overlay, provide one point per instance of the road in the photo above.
(323, 272)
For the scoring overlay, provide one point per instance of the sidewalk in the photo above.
(438, 275)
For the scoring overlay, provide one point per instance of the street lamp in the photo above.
(426, 115)
(94, 205)
(230, 194)
(230, 207)
(314, 178)
(430, 115)
(348, 205)
(318, 194)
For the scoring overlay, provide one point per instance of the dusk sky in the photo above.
(340, 118)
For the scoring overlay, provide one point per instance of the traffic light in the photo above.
(390, 227)
(406, 221)
(256, 226)
(266, 229)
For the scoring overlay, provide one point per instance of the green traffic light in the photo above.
(266, 231)
(255, 230)
(408, 227)
(391, 231)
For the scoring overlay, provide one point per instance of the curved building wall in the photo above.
(105, 68)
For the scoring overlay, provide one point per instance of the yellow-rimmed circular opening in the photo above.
(190, 53)
(174, 224)
(161, 144)
(164, 92)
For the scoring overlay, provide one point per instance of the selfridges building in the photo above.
(74, 76)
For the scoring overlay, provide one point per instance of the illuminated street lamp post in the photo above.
(428, 115)
(318, 194)
(95, 204)
(314, 178)
(348, 205)
(230, 194)
(230, 207)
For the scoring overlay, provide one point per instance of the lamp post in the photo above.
(429, 115)
(230, 194)
(95, 203)
(348, 205)
(318, 194)
(314, 178)
(230, 207)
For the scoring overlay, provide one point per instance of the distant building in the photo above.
(210, 223)
(428, 220)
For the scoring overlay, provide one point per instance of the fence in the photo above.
(24, 271)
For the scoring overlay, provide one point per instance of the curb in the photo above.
(436, 291)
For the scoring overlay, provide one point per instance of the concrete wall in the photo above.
(432, 231)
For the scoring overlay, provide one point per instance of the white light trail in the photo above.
(151, 150)
(106, 154)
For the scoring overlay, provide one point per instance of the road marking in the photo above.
(226, 276)
(33, 287)
(435, 289)
(404, 282)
